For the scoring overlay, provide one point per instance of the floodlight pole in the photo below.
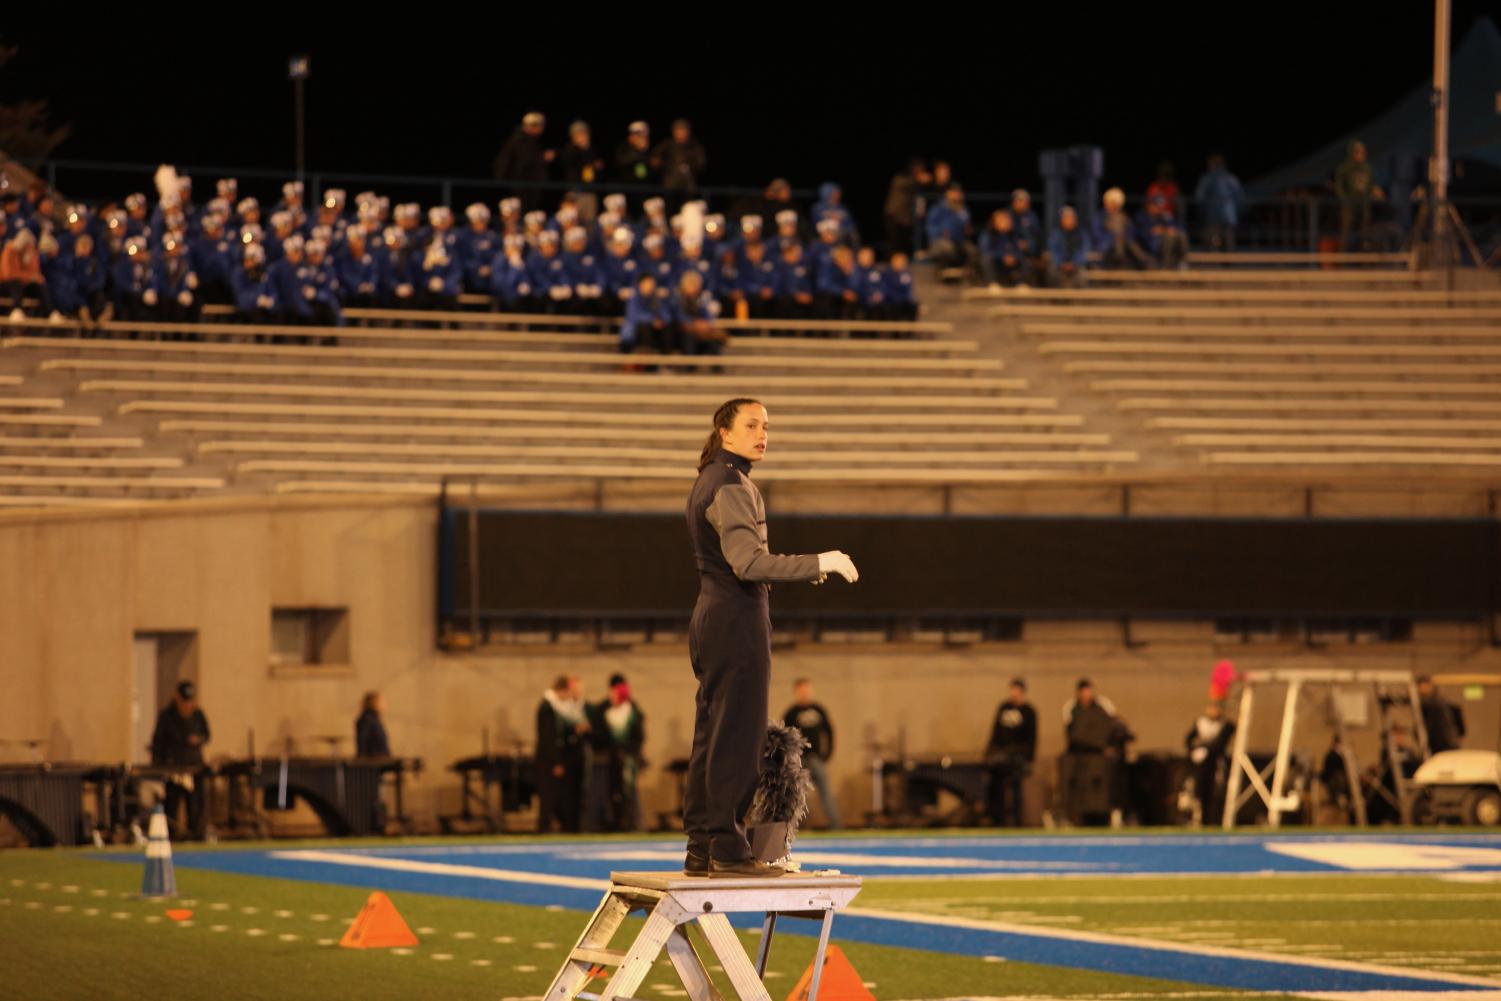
(1438, 162)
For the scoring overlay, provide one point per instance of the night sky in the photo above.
(847, 101)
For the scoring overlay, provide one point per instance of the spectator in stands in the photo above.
(754, 288)
(812, 720)
(1356, 190)
(1115, 235)
(633, 155)
(1068, 251)
(1027, 231)
(177, 743)
(1001, 262)
(795, 293)
(477, 247)
(1166, 185)
(359, 272)
(369, 728)
(21, 276)
(694, 313)
(949, 231)
(177, 282)
(87, 281)
(619, 729)
(212, 254)
(562, 734)
(901, 292)
(523, 159)
(648, 319)
(582, 165)
(441, 279)
(1208, 744)
(837, 286)
(1162, 234)
(830, 205)
(511, 276)
(1220, 199)
(1443, 720)
(1090, 774)
(870, 280)
(900, 209)
(321, 287)
(680, 159)
(256, 297)
(134, 277)
(1010, 753)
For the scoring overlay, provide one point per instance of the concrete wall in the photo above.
(76, 587)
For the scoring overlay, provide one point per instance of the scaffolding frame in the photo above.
(1276, 796)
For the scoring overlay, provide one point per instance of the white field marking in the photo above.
(870, 984)
(185, 923)
(502, 940)
(18, 882)
(425, 930)
(553, 907)
(121, 915)
(152, 919)
(69, 888)
(42, 886)
(219, 907)
(318, 917)
(1367, 855)
(1471, 877)
(63, 908)
(773, 973)
(401, 952)
(543, 945)
(255, 932)
(250, 910)
(463, 934)
(444, 869)
(218, 927)
(33, 905)
(1198, 949)
(442, 957)
(188, 903)
(283, 914)
(98, 893)
(287, 936)
(994, 959)
(325, 941)
(674, 992)
(479, 962)
(90, 911)
(524, 968)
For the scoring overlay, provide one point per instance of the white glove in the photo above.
(404, 290)
(1198, 754)
(149, 297)
(192, 280)
(435, 284)
(836, 562)
(309, 292)
(185, 298)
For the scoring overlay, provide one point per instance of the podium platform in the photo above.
(673, 902)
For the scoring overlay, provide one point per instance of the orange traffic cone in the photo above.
(839, 982)
(378, 926)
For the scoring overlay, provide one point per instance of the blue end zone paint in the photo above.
(958, 856)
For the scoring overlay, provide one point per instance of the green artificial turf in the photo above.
(73, 927)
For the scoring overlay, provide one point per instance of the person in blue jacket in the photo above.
(1115, 235)
(585, 274)
(901, 291)
(755, 282)
(691, 257)
(789, 231)
(510, 276)
(322, 279)
(1068, 251)
(1220, 199)
(1026, 227)
(621, 269)
(548, 274)
(1001, 260)
(284, 272)
(477, 247)
(795, 297)
(89, 277)
(177, 283)
(654, 259)
(402, 267)
(949, 231)
(136, 294)
(837, 286)
(212, 252)
(440, 279)
(694, 313)
(830, 205)
(358, 270)
(648, 322)
(1162, 234)
(256, 297)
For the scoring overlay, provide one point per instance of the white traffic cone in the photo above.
(159, 880)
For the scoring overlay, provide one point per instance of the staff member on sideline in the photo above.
(181, 731)
(729, 639)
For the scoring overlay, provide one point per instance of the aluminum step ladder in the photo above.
(672, 902)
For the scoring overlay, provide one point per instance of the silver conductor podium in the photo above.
(672, 902)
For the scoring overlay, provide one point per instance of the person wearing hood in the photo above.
(370, 729)
(729, 639)
(1220, 199)
(830, 205)
(1356, 190)
(619, 734)
(1068, 251)
(562, 734)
